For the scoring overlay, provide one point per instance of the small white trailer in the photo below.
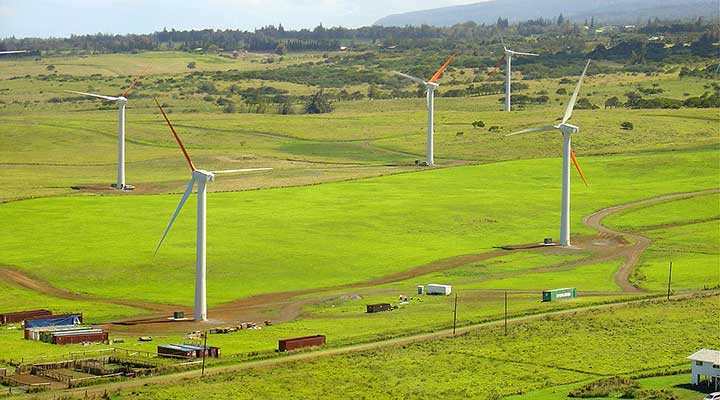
(439, 289)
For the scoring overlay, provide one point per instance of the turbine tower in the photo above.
(122, 101)
(567, 131)
(430, 85)
(202, 177)
(508, 55)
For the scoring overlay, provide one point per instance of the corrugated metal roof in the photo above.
(705, 355)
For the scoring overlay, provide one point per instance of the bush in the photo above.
(192, 65)
(318, 104)
(585, 104)
(478, 124)
(561, 91)
(607, 387)
(229, 107)
(627, 126)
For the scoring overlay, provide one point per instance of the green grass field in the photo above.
(485, 364)
(345, 204)
(367, 220)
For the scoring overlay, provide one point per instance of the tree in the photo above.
(191, 65)
(560, 19)
(373, 92)
(281, 49)
(612, 102)
(318, 104)
(285, 107)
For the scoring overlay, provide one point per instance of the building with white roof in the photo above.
(706, 365)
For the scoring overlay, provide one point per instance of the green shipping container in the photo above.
(559, 294)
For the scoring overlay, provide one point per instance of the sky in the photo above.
(61, 18)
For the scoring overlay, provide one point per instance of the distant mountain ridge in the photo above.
(606, 11)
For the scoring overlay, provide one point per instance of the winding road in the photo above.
(609, 244)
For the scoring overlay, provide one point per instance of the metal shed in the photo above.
(19, 316)
(298, 343)
(559, 294)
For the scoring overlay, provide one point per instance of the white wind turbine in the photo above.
(431, 85)
(202, 177)
(122, 101)
(507, 56)
(568, 154)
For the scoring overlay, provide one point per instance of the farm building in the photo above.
(19, 316)
(74, 337)
(439, 289)
(559, 294)
(706, 364)
(37, 333)
(66, 334)
(187, 351)
(53, 320)
(298, 343)
(374, 308)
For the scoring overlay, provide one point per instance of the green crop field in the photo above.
(346, 218)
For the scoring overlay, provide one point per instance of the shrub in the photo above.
(627, 126)
(192, 65)
(607, 387)
(478, 124)
(318, 104)
(229, 107)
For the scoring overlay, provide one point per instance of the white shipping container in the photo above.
(439, 289)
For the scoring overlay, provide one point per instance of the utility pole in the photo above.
(669, 277)
(204, 353)
(455, 314)
(506, 313)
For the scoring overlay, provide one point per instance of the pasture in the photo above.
(346, 218)
(551, 355)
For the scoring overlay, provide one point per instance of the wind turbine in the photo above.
(13, 52)
(568, 154)
(122, 101)
(202, 177)
(507, 56)
(431, 85)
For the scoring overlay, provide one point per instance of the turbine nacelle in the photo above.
(122, 100)
(432, 85)
(205, 175)
(568, 129)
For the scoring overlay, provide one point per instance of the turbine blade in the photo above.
(573, 99)
(532, 130)
(412, 78)
(577, 166)
(13, 51)
(501, 38)
(142, 73)
(177, 138)
(232, 171)
(94, 95)
(185, 196)
(444, 67)
(525, 54)
(497, 66)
